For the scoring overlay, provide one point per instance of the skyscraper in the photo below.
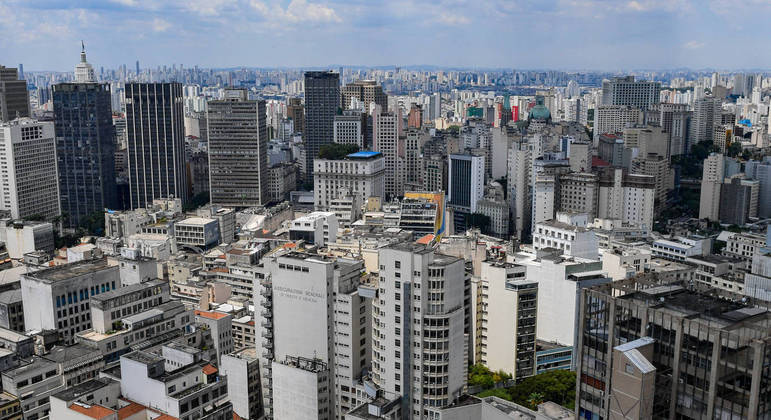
(366, 91)
(466, 181)
(238, 159)
(322, 99)
(156, 142)
(14, 98)
(85, 148)
(418, 342)
(706, 113)
(627, 91)
(29, 182)
(389, 142)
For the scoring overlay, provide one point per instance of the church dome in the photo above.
(539, 112)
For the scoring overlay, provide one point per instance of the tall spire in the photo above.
(84, 73)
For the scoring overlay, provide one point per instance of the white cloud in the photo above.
(693, 45)
(160, 25)
(297, 11)
(206, 7)
(453, 19)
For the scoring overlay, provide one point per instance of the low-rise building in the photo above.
(318, 228)
(681, 248)
(571, 240)
(193, 391)
(197, 232)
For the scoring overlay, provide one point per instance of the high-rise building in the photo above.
(389, 141)
(735, 198)
(613, 119)
(351, 128)
(419, 317)
(578, 193)
(322, 99)
(238, 156)
(627, 91)
(506, 325)
(361, 174)
(706, 113)
(465, 186)
(434, 173)
(519, 168)
(367, 92)
(413, 159)
(675, 120)
(14, 97)
(29, 178)
(314, 324)
(627, 197)
(156, 142)
(85, 148)
(712, 178)
(658, 167)
(296, 112)
(652, 350)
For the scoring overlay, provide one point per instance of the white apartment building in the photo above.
(318, 228)
(388, 140)
(243, 373)
(192, 391)
(624, 263)
(312, 322)
(571, 240)
(362, 174)
(629, 198)
(58, 298)
(613, 119)
(419, 347)
(680, 248)
(560, 280)
(713, 175)
(744, 245)
(350, 128)
(29, 178)
(301, 389)
(544, 193)
(198, 232)
(506, 325)
(221, 327)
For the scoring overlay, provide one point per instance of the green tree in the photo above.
(734, 149)
(501, 393)
(453, 129)
(93, 224)
(336, 151)
(558, 386)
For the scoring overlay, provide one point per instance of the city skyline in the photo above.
(558, 34)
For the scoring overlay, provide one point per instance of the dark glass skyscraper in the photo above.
(85, 148)
(155, 135)
(322, 99)
(14, 98)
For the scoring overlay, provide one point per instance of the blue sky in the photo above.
(525, 34)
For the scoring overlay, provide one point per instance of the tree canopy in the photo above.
(336, 151)
(558, 386)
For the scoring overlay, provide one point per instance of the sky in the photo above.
(521, 34)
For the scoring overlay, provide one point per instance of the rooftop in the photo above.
(210, 314)
(196, 221)
(93, 411)
(70, 271)
(77, 391)
(364, 154)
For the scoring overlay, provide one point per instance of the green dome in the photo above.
(539, 112)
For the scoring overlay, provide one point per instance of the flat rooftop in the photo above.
(364, 154)
(199, 221)
(82, 389)
(70, 271)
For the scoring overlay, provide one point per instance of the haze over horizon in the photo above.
(549, 34)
